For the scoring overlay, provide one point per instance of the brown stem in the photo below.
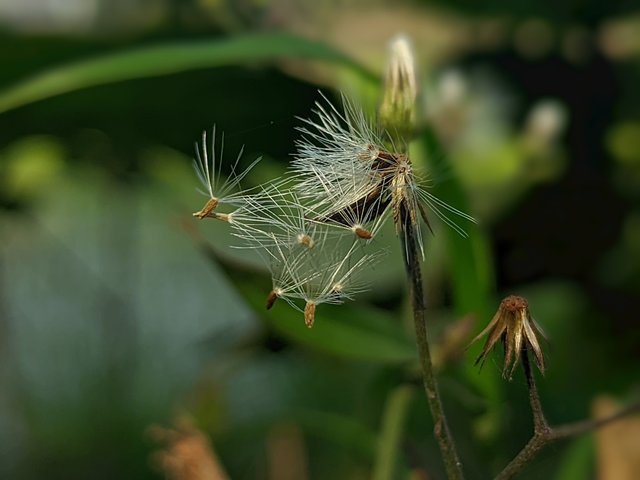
(540, 424)
(442, 433)
(543, 433)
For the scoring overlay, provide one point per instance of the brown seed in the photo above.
(309, 313)
(363, 233)
(305, 240)
(271, 299)
(209, 207)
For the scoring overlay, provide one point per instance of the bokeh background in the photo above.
(128, 351)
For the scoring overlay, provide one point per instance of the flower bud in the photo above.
(397, 114)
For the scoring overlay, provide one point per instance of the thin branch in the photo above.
(578, 428)
(442, 433)
(545, 434)
(528, 453)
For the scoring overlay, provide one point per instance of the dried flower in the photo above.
(518, 331)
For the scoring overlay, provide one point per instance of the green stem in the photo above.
(393, 421)
(441, 430)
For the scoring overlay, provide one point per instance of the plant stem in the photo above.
(542, 431)
(393, 421)
(441, 430)
(540, 424)
(545, 434)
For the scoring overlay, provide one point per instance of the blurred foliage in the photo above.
(118, 311)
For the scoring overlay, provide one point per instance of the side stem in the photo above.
(442, 433)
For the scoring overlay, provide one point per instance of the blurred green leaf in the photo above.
(578, 460)
(30, 163)
(342, 430)
(167, 59)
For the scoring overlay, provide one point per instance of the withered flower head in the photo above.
(518, 331)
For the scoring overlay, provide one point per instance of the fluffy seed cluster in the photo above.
(314, 227)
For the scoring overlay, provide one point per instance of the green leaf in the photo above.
(168, 59)
(578, 460)
(345, 431)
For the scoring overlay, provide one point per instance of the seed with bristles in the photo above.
(208, 171)
(322, 275)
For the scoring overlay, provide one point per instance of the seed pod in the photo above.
(309, 313)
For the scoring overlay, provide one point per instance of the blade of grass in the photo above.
(393, 424)
(170, 58)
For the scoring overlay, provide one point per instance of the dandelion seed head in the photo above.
(312, 227)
